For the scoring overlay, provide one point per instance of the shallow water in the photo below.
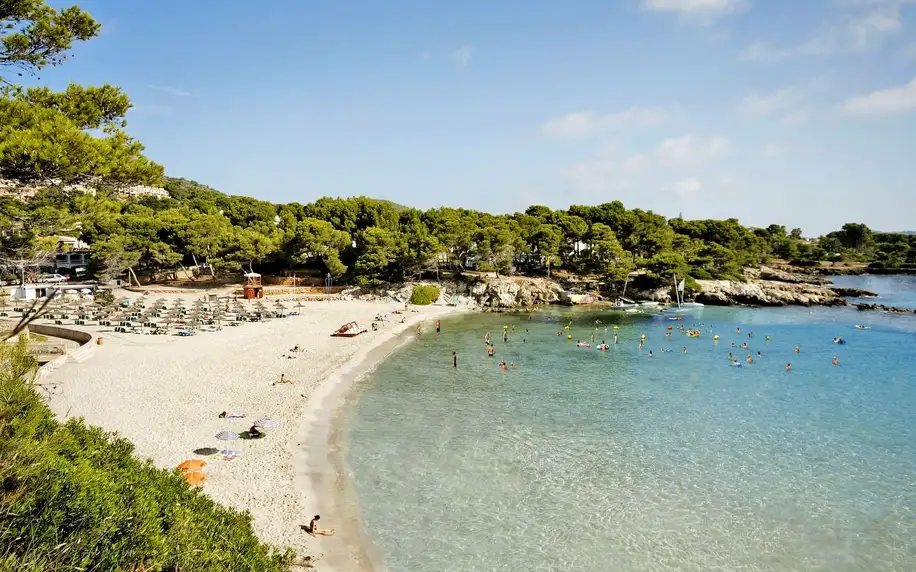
(582, 460)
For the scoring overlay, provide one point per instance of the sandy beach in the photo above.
(164, 394)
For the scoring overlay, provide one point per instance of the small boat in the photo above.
(349, 330)
(649, 304)
(679, 295)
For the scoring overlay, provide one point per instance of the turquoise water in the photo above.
(587, 461)
(892, 290)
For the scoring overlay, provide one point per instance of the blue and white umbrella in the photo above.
(267, 423)
(227, 436)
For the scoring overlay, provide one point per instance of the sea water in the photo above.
(899, 291)
(582, 460)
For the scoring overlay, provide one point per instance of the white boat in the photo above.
(649, 304)
(622, 303)
(679, 295)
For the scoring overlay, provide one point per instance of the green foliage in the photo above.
(75, 497)
(424, 294)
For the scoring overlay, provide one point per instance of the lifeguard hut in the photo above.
(253, 288)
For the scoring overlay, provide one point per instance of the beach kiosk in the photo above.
(253, 288)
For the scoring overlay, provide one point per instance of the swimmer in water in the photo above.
(650, 353)
(788, 367)
(491, 351)
(744, 345)
(797, 350)
(758, 355)
(685, 349)
(736, 363)
(749, 359)
(730, 356)
(836, 361)
(737, 330)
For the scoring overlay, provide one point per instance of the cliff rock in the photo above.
(485, 292)
(756, 292)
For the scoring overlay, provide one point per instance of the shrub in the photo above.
(424, 294)
(75, 498)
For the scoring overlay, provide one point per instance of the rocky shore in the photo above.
(883, 308)
(853, 292)
(764, 286)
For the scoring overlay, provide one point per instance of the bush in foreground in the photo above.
(74, 497)
(424, 294)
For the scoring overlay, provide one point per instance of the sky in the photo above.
(795, 112)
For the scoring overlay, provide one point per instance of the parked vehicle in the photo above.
(54, 278)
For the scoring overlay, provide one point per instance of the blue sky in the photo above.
(798, 112)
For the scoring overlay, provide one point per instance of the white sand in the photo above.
(164, 393)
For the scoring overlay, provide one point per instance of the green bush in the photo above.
(74, 497)
(424, 294)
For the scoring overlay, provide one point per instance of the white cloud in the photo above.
(884, 102)
(853, 33)
(796, 117)
(772, 150)
(462, 56)
(607, 173)
(692, 150)
(589, 123)
(684, 188)
(705, 10)
(765, 104)
(173, 91)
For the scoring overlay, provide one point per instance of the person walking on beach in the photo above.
(438, 326)
(454, 359)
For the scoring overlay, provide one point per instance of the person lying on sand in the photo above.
(313, 529)
(283, 379)
(295, 348)
(226, 415)
(255, 433)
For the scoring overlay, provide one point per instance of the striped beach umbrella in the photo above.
(267, 423)
(227, 436)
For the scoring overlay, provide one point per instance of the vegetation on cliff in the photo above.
(75, 498)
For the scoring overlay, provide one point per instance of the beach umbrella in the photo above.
(229, 452)
(206, 451)
(227, 436)
(195, 478)
(267, 423)
(191, 465)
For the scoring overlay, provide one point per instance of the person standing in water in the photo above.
(418, 330)
(788, 367)
(615, 337)
(486, 338)
(454, 359)
(438, 325)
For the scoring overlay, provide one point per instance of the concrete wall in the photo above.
(85, 339)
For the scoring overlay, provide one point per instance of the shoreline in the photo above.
(164, 393)
(320, 461)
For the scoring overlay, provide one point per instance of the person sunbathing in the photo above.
(254, 432)
(227, 415)
(313, 529)
(283, 379)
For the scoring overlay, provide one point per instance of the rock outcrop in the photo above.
(853, 292)
(756, 292)
(776, 275)
(883, 308)
(485, 293)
